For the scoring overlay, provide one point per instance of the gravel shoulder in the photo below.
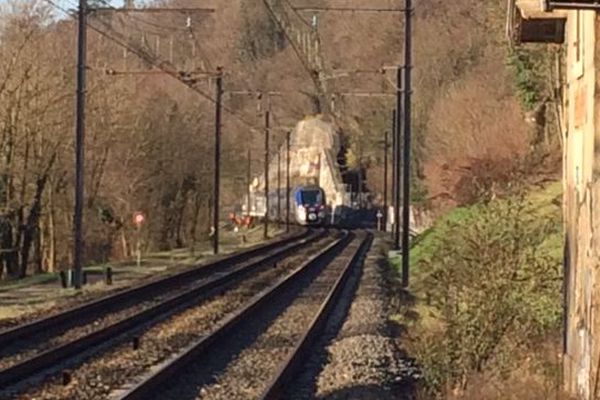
(360, 356)
(246, 360)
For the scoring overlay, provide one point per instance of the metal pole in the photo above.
(79, 147)
(360, 182)
(217, 166)
(138, 246)
(394, 172)
(287, 183)
(407, 144)
(248, 182)
(278, 187)
(398, 160)
(398, 163)
(385, 180)
(267, 129)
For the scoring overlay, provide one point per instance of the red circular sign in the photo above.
(138, 218)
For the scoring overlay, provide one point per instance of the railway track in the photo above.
(101, 320)
(255, 351)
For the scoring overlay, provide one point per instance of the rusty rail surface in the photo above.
(119, 299)
(51, 357)
(146, 389)
(304, 346)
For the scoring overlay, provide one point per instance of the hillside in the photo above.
(150, 135)
(469, 108)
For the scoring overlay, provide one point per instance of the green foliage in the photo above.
(492, 276)
(105, 214)
(419, 193)
(261, 37)
(527, 79)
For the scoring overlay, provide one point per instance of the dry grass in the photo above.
(43, 292)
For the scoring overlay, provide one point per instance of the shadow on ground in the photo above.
(402, 391)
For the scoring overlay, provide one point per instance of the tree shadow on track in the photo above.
(402, 391)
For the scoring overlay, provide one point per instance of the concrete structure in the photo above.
(582, 192)
(315, 144)
(528, 23)
(581, 177)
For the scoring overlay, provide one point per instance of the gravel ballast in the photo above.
(21, 350)
(359, 357)
(261, 345)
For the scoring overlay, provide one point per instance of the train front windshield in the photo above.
(312, 197)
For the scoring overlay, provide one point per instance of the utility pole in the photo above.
(407, 142)
(79, 146)
(217, 166)
(397, 163)
(385, 179)
(278, 188)
(267, 129)
(394, 173)
(360, 181)
(287, 181)
(248, 181)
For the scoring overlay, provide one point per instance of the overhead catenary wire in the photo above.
(188, 28)
(161, 66)
(203, 55)
(110, 7)
(312, 74)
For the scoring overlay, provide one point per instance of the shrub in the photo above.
(528, 83)
(494, 283)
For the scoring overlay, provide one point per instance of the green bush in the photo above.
(527, 80)
(493, 281)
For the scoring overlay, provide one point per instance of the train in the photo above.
(310, 205)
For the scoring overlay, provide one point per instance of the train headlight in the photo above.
(301, 212)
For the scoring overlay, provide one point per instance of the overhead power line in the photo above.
(188, 28)
(110, 7)
(162, 67)
(154, 10)
(348, 9)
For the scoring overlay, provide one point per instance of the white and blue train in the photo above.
(310, 205)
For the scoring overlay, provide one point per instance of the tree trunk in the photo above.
(195, 215)
(7, 251)
(182, 200)
(124, 244)
(51, 262)
(37, 250)
(30, 228)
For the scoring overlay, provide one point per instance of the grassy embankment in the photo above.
(486, 280)
(39, 292)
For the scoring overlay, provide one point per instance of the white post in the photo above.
(139, 247)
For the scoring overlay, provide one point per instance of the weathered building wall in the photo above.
(582, 190)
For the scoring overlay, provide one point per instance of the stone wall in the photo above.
(581, 207)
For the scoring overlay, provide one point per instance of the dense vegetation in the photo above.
(150, 136)
(488, 280)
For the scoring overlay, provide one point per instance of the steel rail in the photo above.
(147, 387)
(47, 359)
(303, 347)
(120, 298)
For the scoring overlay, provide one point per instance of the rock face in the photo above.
(314, 145)
(314, 133)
